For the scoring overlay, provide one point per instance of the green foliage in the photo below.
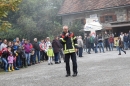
(5, 7)
(35, 18)
(77, 28)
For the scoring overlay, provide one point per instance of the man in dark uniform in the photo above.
(69, 43)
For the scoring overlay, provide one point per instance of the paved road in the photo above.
(102, 69)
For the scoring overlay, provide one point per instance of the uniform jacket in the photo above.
(69, 42)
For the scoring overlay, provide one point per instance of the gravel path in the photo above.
(102, 69)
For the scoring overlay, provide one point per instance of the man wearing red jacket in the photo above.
(111, 42)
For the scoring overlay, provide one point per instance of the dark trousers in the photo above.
(31, 59)
(18, 61)
(43, 55)
(91, 46)
(80, 51)
(74, 61)
(107, 44)
(56, 56)
(121, 49)
(37, 54)
(24, 64)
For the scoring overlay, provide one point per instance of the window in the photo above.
(108, 18)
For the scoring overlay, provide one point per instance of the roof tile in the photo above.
(74, 6)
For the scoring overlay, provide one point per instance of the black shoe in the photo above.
(29, 65)
(89, 53)
(48, 63)
(80, 56)
(74, 75)
(51, 63)
(67, 75)
(59, 61)
(125, 52)
(56, 62)
(119, 54)
(33, 63)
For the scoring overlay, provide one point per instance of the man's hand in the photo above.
(76, 50)
(67, 34)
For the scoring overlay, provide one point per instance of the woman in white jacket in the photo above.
(48, 43)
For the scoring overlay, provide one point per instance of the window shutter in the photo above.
(102, 19)
(114, 18)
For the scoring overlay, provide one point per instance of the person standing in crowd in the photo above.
(31, 48)
(80, 46)
(48, 43)
(84, 42)
(32, 56)
(56, 48)
(106, 37)
(122, 36)
(111, 42)
(50, 55)
(121, 46)
(117, 44)
(4, 54)
(90, 43)
(27, 50)
(4, 57)
(62, 55)
(87, 43)
(9, 44)
(125, 40)
(15, 49)
(3, 45)
(96, 44)
(23, 57)
(69, 42)
(17, 45)
(129, 39)
(100, 43)
(37, 51)
(42, 50)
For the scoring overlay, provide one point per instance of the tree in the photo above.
(36, 18)
(77, 28)
(5, 7)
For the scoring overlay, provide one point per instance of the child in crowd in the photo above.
(32, 57)
(121, 46)
(14, 62)
(10, 62)
(117, 44)
(50, 55)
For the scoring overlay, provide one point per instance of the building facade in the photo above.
(113, 15)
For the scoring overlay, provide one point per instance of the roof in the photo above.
(77, 6)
